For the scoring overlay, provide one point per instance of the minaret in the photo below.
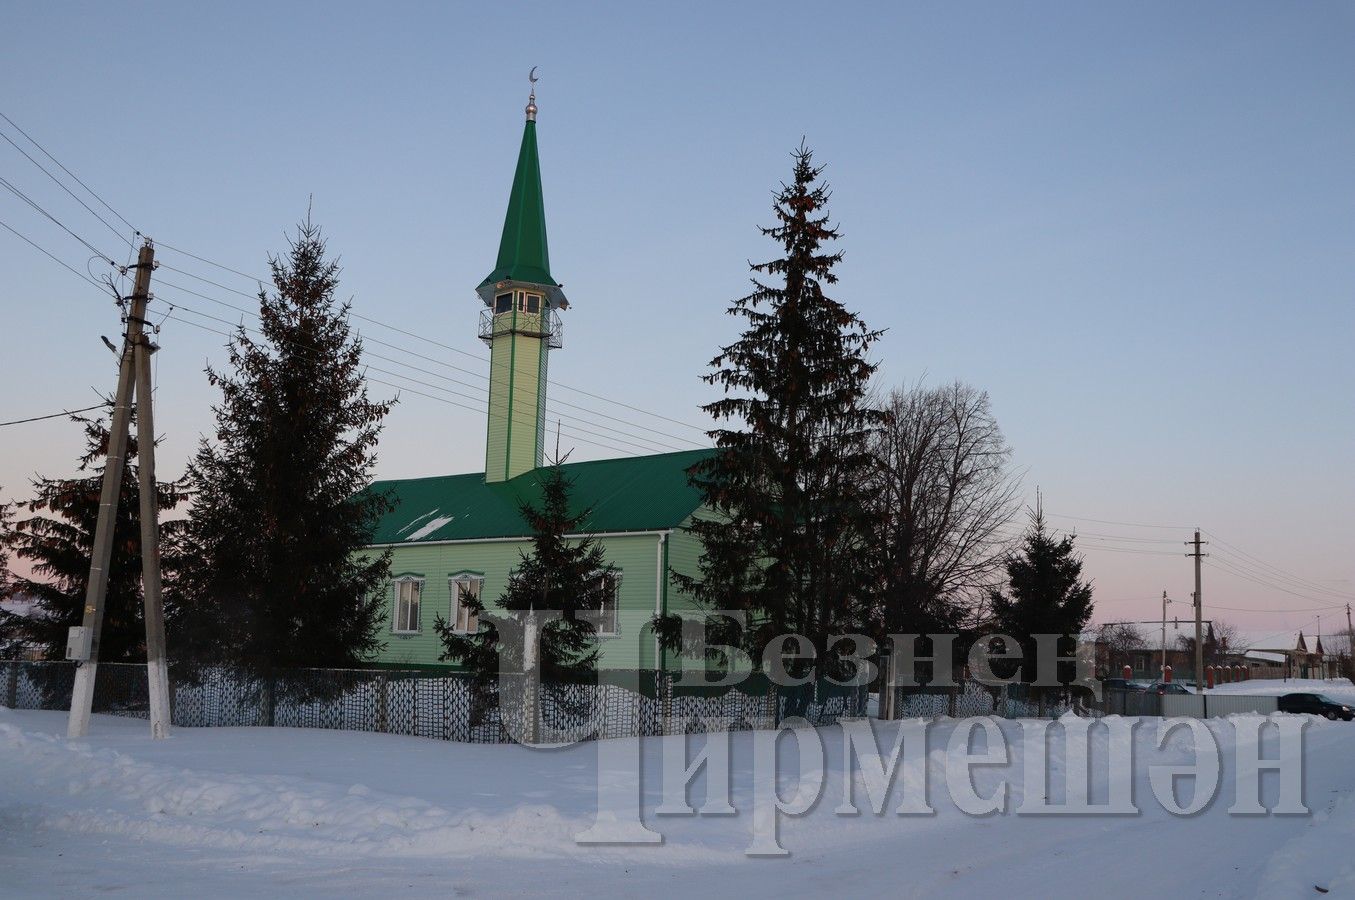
(520, 323)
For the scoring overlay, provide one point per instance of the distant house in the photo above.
(22, 605)
(457, 536)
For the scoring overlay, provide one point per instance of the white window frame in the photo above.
(397, 587)
(454, 589)
(615, 577)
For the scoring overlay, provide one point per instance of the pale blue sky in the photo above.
(1132, 225)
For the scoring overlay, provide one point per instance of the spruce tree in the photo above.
(786, 544)
(570, 575)
(57, 542)
(1046, 595)
(274, 575)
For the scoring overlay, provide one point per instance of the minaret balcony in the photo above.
(545, 325)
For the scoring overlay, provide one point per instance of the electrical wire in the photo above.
(53, 257)
(64, 412)
(658, 445)
(518, 418)
(203, 259)
(33, 203)
(1123, 524)
(1288, 576)
(66, 170)
(61, 185)
(420, 337)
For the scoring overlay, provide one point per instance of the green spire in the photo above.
(523, 255)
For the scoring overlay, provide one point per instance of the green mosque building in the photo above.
(455, 536)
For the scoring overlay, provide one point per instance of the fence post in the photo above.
(269, 699)
(382, 704)
(12, 688)
(666, 703)
(950, 701)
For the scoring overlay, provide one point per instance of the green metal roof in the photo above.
(523, 254)
(638, 493)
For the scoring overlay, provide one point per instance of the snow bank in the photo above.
(1338, 689)
(289, 812)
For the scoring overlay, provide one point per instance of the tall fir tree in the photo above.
(1046, 595)
(6, 518)
(273, 574)
(785, 545)
(56, 543)
(561, 573)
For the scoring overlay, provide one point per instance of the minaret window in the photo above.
(533, 303)
(503, 303)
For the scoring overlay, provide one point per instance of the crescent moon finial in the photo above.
(531, 99)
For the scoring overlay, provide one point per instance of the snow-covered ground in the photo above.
(1336, 688)
(229, 812)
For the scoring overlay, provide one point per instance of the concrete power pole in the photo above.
(1165, 601)
(1199, 613)
(157, 667)
(133, 374)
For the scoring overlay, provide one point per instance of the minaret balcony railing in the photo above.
(545, 325)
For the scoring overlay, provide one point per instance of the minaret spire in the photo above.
(520, 321)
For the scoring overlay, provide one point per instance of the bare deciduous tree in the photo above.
(1120, 639)
(943, 491)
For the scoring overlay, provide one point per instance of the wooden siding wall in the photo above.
(635, 556)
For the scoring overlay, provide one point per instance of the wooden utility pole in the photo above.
(133, 374)
(1199, 613)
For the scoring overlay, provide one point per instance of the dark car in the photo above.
(1317, 704)
(1168, 687)
(1122, 684)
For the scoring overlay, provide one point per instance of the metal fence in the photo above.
(443, 705)
(973, 698)
(1016, 701)
(451, 706)
(1206, 705)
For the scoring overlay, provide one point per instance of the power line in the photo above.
(1288, 575)
(1272, 611)
(1223, 566)
(572, 432)
(659, 444)
(64, 188)
(33, 203)
(1268, 576)
(1112, 522)
(66, 170)
(76, 272)
(256, 279)
(418, 337)
(64, 412)
(637, 442)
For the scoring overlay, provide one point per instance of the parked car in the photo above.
(1122, 684)
(1168, 687)
(1317, 704)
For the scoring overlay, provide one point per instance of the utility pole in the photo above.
(133, 374)
(157, 670)
(1199, 612)
(1165, 601)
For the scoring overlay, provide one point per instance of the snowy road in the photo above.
(286, 812)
